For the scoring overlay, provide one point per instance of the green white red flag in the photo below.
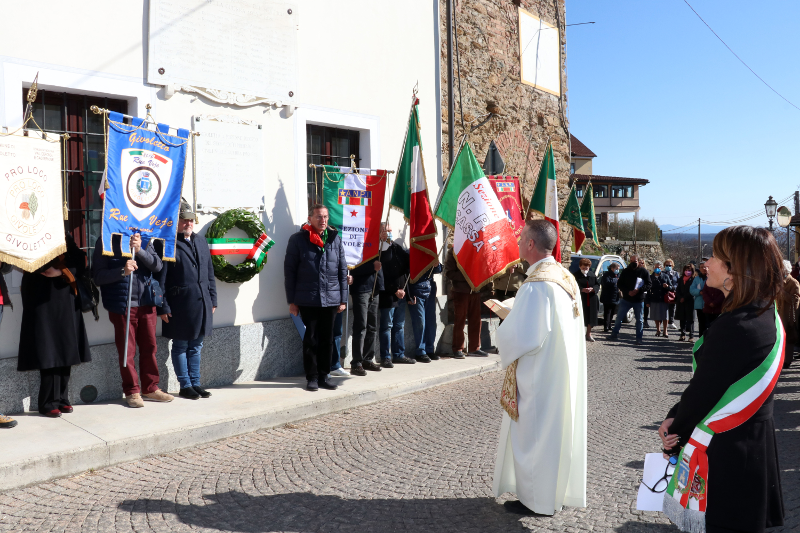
(355, 205)
(572, 216)
(507, 190)
(545, 196)
(254, 248)
(483, 242)
(410, 195)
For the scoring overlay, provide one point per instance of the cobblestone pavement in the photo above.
(418, 463)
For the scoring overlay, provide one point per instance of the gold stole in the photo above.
(554, 273)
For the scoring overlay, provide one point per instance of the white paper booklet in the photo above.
(501, 309)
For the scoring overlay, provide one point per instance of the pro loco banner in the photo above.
(144, 179)
(507, 190)
(354, 199)
(32, 222)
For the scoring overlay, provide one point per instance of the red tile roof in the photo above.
(579, 149)
(584, 178)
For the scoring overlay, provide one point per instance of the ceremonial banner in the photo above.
(587, 211)
(483, 241)
(507, 190)
(545, 196)
(32, 221)
(144, 179)
(410, 196)
(572, 216)
(355, 206)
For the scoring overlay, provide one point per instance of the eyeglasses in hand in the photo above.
(662, 484)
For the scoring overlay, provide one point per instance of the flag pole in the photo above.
(530, 201)
(128, 317)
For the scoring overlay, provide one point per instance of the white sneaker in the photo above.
(339, 372)
(673, 326)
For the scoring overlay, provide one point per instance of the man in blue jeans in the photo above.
(393, 300)
(634, 282)
(190, 299)
(422, 308)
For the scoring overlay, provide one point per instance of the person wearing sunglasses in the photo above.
(727, 476)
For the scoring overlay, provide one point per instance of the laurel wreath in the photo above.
(250, 224)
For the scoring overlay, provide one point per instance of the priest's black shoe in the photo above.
(327, 385)
(369, 365)
(202, 392)
(517, 507)
(189, 393)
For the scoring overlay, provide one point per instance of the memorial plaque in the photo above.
(241, 47)
(229, 164)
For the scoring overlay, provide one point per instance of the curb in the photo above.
(108, 453)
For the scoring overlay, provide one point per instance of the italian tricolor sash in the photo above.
(254, 248)
(686, 497)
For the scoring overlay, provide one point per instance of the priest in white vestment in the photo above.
(541, 457)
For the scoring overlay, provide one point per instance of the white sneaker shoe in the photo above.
(673, 326)
(339, 372)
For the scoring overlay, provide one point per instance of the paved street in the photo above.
(418, 463)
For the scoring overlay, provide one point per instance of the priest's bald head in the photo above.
(537, 240)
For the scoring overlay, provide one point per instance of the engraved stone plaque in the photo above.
(238, 50)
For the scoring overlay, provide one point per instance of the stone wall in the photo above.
(650, 251)
(488, 45)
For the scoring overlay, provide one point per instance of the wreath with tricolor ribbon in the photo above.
(256, 246)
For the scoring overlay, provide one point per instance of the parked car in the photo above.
(600, 264)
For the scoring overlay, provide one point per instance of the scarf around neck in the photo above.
(314, 237)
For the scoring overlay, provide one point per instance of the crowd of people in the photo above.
(672, 299)
(53, 333)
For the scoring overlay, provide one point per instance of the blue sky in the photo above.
(655, 95)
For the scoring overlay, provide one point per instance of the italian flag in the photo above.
(587, 211)
(354, 198)
(545, 196)
(410, 195)
(484, 243)
(572, 216)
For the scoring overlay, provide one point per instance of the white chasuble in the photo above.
(542, 457)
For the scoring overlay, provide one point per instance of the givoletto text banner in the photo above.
(31, 222)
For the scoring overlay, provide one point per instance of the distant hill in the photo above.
(689, 236)
(689, 230)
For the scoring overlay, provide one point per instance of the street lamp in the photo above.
(771, 206)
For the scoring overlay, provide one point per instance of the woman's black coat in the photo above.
(610, 293)
(744, 485)
(190, 290)
(591, 302)
(657, 289)
(684, 310)
(52, 333)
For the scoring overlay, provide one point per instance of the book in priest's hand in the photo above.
(501, 309)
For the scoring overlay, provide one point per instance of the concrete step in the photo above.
(107, 433)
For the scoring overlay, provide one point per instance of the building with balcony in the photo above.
(612, 194)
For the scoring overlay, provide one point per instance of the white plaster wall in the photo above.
(357, 63)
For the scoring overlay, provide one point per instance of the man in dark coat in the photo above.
(634, 283)
(5, 421)
(315, 279)
(190, 299)
(393, 298)
(609, 294)
(111, 273)
(367, 282)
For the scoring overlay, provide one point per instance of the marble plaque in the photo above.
(229, 164)
(230, 47)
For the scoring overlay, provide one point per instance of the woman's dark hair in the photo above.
(585, 262)
(689, 266)
(754, 262)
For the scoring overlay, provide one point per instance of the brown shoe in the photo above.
(134, 400)
(357, 370)
(369, 365)
(7, 422)
(158, 396)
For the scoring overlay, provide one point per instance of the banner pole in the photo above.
(128, 318)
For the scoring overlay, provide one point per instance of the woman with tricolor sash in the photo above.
(722, 430)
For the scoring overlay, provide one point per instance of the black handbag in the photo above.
(88, 294)
(153, 294)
